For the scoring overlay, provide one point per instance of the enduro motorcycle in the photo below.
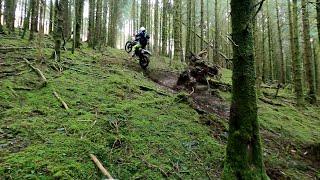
(142, 54)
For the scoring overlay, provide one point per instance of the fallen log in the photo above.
(100, 166)
(269, 101)
(61, 100)
(220, 85)
(10, 49)
(38, 71)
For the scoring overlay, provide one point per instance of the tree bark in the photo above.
(79, 17)
(244, 158)
(164, 27)
(34, 18)
(282, 63)
(308, 60)
(91, 26)
(297, 62)
(156, 28)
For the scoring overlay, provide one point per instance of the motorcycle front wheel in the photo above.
(128, 47)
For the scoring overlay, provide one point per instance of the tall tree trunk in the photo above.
(188, 38)
(265, 72)
(201, 24)
(283, 70)
(34, 18)
(164, 27)
(91, 26)
(113, 23)
(297, 62)
(58, 30)
(66, 28)
(292, 48)
(156, 27)
(318, 19)
(177, 30)
(26, 21)
(51, 17)
(143, 13)
(244, 158)
(194, 27)
(308, 60)
(133, 15)
(217, 30)
(270, 44)
(104, 24)
(98, 25)
(79, 17)
(10, 8)
(1, 26)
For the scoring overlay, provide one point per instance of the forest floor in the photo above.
(137, 123)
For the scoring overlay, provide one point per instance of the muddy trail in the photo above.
(203, 99)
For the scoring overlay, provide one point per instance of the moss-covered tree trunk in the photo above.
(194, 36)
(58, 30)
(164, 38)
(188, 35)
(133, 16)
(104, 23)
(177, 30)
(318, 19)
(264, 59)
(244, 153)
(65, 11)
(91, 23)
(297, 62)
(51, 17)
(79, 16)
(113, 23)
(308, 60)
(143, 13)
(98, 24)
(217, 30)
(26, 21)
(201, 24)
(34, 18)
(292, 53)
(270, 45)
(9, 8)
(281, 53)
(317, 63)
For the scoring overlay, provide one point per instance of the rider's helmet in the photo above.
(142, 29)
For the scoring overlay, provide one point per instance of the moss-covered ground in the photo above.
(136, 128)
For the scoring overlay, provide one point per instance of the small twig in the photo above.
(61, 100)
(100, 166)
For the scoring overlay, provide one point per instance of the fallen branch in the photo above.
(8, 49)
(61, 100)
(269, 101)
(100, 166)
(38, 71)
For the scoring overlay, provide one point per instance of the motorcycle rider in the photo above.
(142, 38)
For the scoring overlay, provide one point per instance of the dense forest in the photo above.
(159, 89)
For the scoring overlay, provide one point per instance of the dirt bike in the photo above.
(129, 45)
(143, 56)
